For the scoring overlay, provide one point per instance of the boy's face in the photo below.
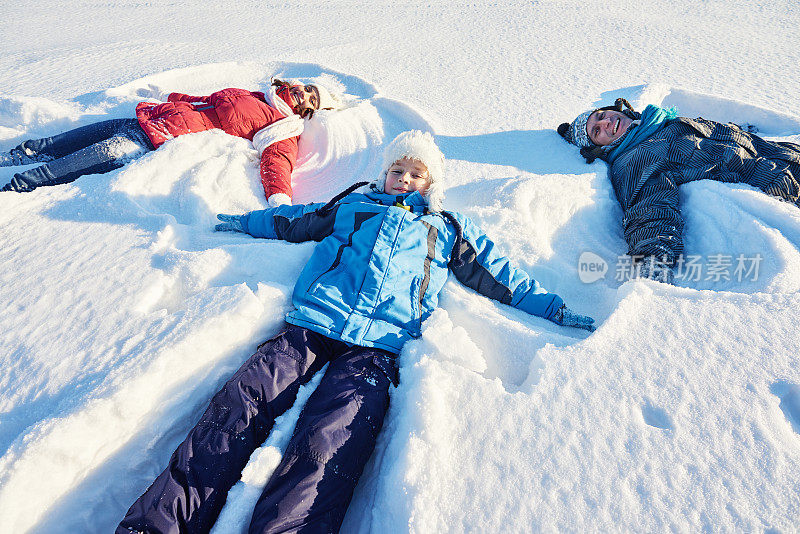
(405, 176)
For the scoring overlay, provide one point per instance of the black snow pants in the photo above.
(334, 437)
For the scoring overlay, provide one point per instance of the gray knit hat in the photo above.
(577, 134)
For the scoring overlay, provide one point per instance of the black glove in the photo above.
(230, 223)
(566, 317)
(654, 269)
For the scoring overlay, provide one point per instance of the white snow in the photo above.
(124, 312)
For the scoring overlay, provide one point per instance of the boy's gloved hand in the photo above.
(230, 223)
(566, 317)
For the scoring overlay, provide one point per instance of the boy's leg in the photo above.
(189, 494)
(103, 156)
(335, 436)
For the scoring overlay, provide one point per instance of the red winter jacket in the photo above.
(235, 111)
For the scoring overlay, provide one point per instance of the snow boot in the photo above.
(22, 155)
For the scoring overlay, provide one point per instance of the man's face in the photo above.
(606, 126)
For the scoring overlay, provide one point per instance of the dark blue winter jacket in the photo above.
(378, 269)
(646, 178)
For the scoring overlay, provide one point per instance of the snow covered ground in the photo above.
(124, 312)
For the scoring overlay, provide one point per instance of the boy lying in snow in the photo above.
(375, 276)
(273, 122)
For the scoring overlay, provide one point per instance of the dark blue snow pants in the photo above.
(92, 149)
(312, 486)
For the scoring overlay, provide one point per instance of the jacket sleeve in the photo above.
(483, 269)
(730, 154)
(277, 164)
(290, 223)
(648, 195)
(180, 97)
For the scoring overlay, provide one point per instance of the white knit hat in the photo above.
(327, 99)
(420, 146)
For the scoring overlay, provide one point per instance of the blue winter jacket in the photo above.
(381, 263)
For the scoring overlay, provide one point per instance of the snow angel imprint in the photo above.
(272, 121)
(382, 260)
(653, 152)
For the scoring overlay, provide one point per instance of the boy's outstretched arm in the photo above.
(291, 223)
(479, 266)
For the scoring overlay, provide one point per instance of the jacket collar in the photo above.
(413, 200)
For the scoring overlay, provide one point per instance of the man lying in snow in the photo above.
(273, 122)
(375, 276)
(651, 153)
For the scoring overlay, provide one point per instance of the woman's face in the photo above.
(407, 175)
(305, 98)
(606, 126)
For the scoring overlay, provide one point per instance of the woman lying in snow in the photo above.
(375, 276)
(273, 122)
(651, 153)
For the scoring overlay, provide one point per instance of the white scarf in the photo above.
(290, 126)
